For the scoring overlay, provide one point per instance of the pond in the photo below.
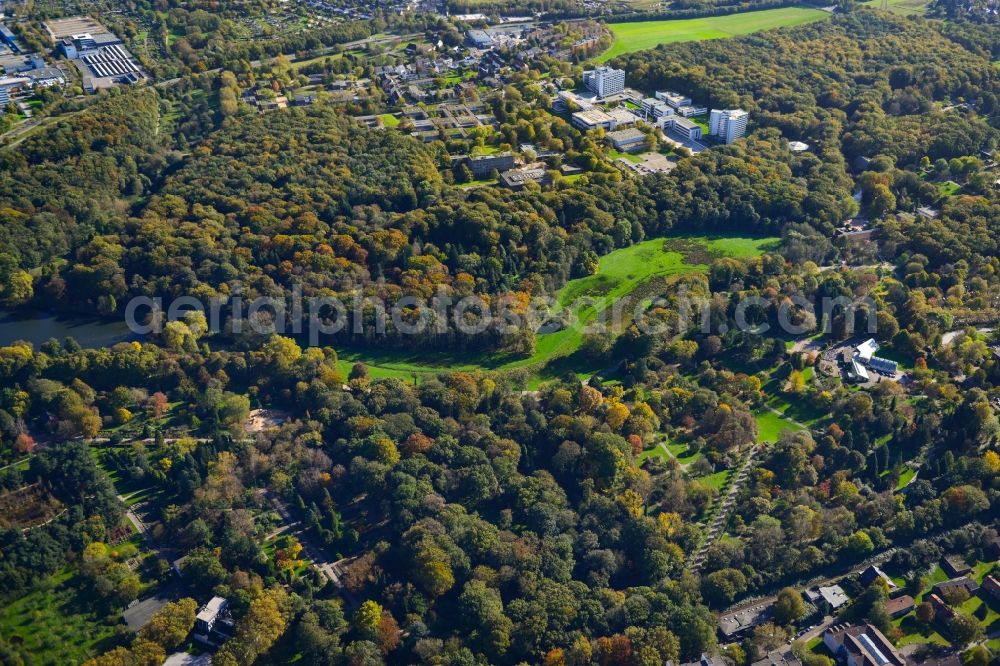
(38, 326)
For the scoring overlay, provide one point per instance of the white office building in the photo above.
(728, 124)
(654, 108)
(673, 99)
(605, 81)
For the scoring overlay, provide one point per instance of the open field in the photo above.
(56, 622)
(902, 7)
(618, 275)
(640, 35)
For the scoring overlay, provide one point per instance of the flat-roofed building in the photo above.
(735, 624)
(673, 99)
(516, 179)
(11, 84)
(623, 117)
(589, 120)
(779, 657)
(626, 140)
(686, 130)
(483, 165)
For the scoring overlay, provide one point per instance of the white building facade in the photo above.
(605, 81)
(728, 124)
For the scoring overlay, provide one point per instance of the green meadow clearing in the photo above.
(639, 35)
(618, 275)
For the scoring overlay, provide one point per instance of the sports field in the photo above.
(639, 35)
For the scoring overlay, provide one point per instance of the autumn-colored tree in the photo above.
(368, 619)
(24, 443)
(256, 631)
(387, 635)
(170, 625)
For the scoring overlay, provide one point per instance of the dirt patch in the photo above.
(264, 419)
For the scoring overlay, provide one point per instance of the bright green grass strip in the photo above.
(639, 35)
(905, 477)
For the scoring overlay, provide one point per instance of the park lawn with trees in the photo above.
(617, 275)
(640, 35)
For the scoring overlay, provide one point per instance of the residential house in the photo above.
(964, 582)
(827, 598)
(955, 566)
(899, 606)
(872, 572)
(991, 586)
(942, 611)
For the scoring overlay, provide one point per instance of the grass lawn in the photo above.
(717, 480)
(389, 120)
(478, 151)
(631, 157)
(771, 426)
(905, 477)
(797, 410)
(680, 452)
(949, 188)
(56, 623)
(655, 452)
(619, 273)
(701, 121)
(916, 633)
(683, 454)
(638, 35)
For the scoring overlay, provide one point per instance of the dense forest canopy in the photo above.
(601, 508)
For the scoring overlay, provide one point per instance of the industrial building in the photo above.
(99, 55)
(479, 38)
(110, 61)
